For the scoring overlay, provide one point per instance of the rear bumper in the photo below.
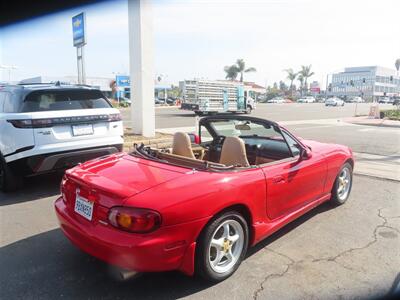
(42, 163)
(168, 248)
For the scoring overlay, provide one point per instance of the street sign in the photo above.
(123, 80)
(78, 29)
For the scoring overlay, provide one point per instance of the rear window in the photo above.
(64, 100)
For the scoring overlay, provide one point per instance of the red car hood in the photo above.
(121, 176)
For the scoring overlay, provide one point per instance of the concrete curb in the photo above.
(372, 122)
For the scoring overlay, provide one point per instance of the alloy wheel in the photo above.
(226, 246)
(344, 184)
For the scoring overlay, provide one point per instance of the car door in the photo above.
(292, 183)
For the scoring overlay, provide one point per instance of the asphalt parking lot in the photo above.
(330, 253)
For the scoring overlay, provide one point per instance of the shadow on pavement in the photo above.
(48, 266)
(34, 188)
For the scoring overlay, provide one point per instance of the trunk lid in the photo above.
(114, 178)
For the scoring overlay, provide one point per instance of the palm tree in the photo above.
(306, 73)
(231, 72)
(291, 75)
(397, 65)
(300, 78)
(241, 67)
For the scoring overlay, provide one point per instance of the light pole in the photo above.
(8, 68)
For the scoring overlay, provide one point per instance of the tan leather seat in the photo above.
(233, 152)
(181, 145)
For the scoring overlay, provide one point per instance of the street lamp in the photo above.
(9, 68)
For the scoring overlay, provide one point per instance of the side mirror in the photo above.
(305, 154)
(194, 138)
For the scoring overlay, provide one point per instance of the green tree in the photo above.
(300, 78)
(306, 73)
(397, 65)
(231, 72)
(239, 68)
(291, 75)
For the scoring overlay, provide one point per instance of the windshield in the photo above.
(64, 100)
(242, 128)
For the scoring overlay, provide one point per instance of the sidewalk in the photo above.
(372, 122)
(161, 140)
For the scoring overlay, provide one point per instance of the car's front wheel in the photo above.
(222, 246)
(342, 186)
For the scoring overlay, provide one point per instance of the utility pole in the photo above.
(141, 67)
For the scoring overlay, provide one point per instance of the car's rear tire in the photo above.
(9, 181)
(221, 247)
(342, 187)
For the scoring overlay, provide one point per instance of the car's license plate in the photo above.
(83, 207)
(85, 129)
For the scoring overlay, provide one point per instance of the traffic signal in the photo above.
(391, 78)
(351, 83)
(363, 80)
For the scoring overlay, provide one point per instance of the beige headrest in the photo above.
(181, 145)
(234, 152)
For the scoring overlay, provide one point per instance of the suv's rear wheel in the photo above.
(222, 246)
(8, 180)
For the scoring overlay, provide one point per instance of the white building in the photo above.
(368, 82)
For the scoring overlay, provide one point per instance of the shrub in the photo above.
(391, 114)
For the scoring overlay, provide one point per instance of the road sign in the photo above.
(78, 29)
(123, 80)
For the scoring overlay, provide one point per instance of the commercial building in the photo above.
(368, 82)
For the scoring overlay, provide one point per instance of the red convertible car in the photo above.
(198, 206)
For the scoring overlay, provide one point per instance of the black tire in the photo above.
(336, 198)
(9, 181)
(203, 251)
(249, 109)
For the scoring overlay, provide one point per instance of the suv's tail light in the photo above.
(138, 220)
(50, 122)
(114, 117)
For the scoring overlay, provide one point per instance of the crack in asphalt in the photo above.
(274, 275)
(330, 259)
(375, 239)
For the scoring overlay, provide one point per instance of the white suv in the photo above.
(45, 127)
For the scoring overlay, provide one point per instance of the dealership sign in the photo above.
(123, 80)
(78, 29)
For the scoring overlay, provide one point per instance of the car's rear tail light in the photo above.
(67, 189)
(137, 220)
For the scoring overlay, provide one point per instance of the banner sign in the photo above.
(78, 29)
(123, 80)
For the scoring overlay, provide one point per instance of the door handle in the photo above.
(278, 179)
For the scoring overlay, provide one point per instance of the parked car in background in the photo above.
(276, 100)
(396, 101)
(158, 101)
(158, 209)
(307, 99)
(46, 127)
(385, 100)
(334, 101)
(355, 100)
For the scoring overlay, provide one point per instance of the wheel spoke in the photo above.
(229, 256)
(218, 257)
(217, 243)
(234, 238)
(226, 231)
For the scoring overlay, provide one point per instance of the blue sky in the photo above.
(198, 38)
